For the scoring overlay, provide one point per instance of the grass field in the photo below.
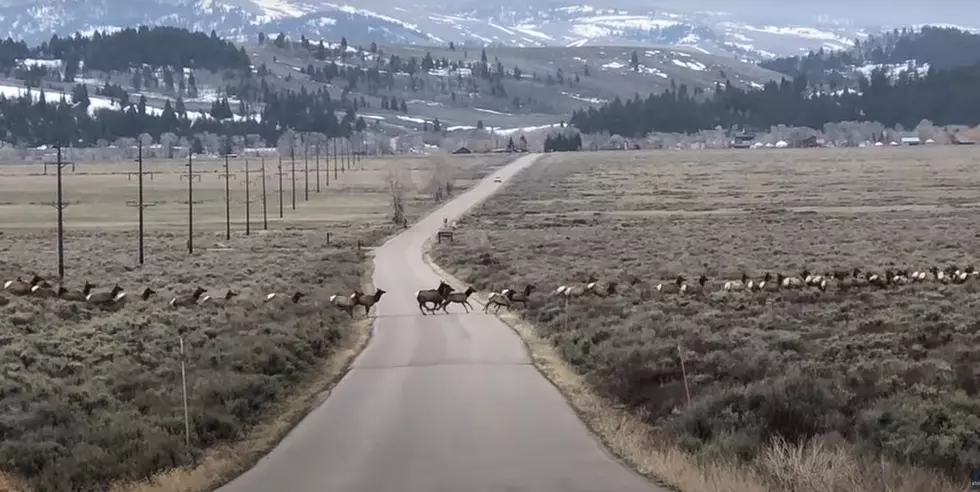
(862, 389)
(92, 398)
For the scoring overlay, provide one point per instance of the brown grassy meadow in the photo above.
(92, 398)
(849, 391)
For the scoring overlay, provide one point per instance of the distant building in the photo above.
(462, 150)
(960, 139)
(911, 141)
(742, 140)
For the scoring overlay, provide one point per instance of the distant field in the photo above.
(892, 372)
(92, 397)
(98, 193)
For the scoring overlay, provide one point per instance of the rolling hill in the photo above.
(537, 86)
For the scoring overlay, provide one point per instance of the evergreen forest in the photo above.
(941, 96)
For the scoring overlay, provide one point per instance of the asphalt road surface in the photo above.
(439, 403)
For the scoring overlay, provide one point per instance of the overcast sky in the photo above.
(862, 12)
(877, 12)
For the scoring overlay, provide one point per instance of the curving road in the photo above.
(439, 403)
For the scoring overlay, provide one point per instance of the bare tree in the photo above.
(211, 142)
(396, 190)
(167, 141)
(254, 141)
(185, 145)
(124, 146)
(147, 140)
(925, 130)
(287, 143)
(442, 179)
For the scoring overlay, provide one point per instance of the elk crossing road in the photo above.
(439, 403)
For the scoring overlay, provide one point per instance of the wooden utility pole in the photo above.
(326, 156)
(139, 204)
(248, 202)
(183, 383)
(265, 209)
(306, 171)
(318, 167)
(60, 205)
(335, 144)
(190, 198)
(280, 174)
(227, 175)
(292, 157)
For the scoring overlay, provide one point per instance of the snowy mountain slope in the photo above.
(520, 24)
(541, 85)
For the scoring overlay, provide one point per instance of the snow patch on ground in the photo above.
(34, 62)
(590, 100)
(895, 69)
(277, 9)
(529, 29)
(691, 65)
(491, 111)
(95, 102)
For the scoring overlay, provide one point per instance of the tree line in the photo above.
(40, 119)
(938, 47)
(559, 142)
(156, 47)
(942, 96)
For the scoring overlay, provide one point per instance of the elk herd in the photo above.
(116, 298)
(842, 280)
(440, 298)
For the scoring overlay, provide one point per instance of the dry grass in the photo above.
(92, 398)
(859, 391)
(98, 192)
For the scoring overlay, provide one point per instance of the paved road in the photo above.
(440, 403)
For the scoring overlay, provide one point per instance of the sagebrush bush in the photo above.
(887, 373)
(93, 397)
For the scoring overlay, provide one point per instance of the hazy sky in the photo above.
(863, 12)
(962, 12)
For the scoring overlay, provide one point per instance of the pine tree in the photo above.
(191, 86)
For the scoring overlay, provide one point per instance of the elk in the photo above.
(369, 300)
(346, 303)
(190, 300)
(103, 299)
(497, 299)
(458, 298)
(76, 295)
(19, 287)
(225, 299)
(521, 297)
(435, 296)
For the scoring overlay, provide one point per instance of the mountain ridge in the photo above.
(472, 24)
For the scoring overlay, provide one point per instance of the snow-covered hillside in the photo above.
(431, 23)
